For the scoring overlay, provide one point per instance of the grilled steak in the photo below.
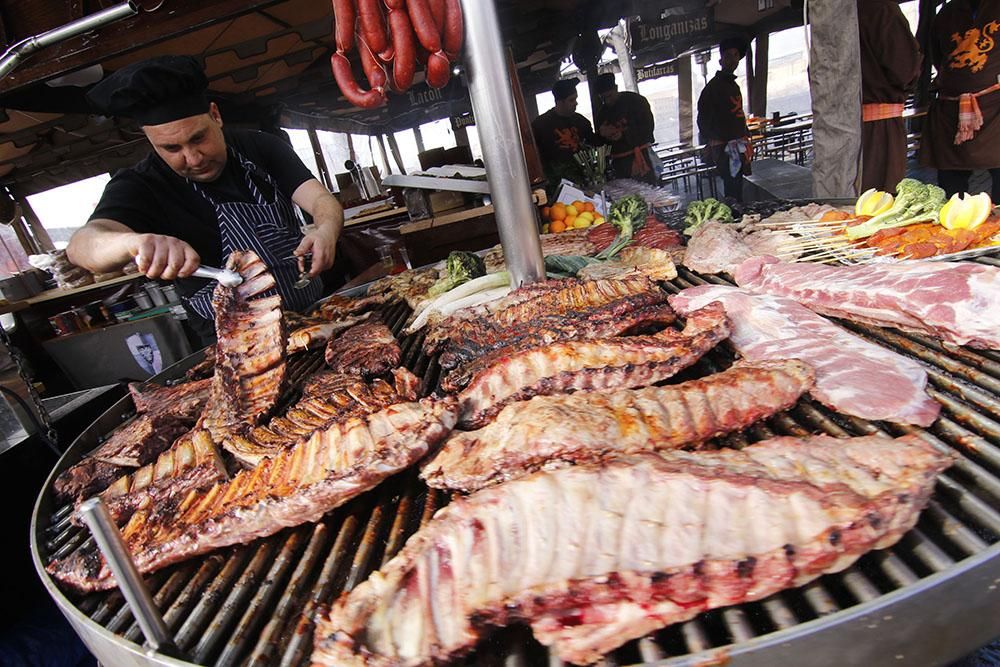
(296, 486)
(183, 400)
(250, 354)
(853, 376)
(134, 444)
(336, 306)
(659, 314)
(607, 363)
(367, 349)
(958, 302)
(192, 464)
(204, 368)
(596, 555)
(554, 431)
(317, 334)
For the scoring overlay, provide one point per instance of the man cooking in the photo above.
(626, 122)
(202, 193)
(559, 133)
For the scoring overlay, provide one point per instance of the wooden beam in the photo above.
(685, 109)
(758, 92)
(147, 28)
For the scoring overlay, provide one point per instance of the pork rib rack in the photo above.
(595, 555)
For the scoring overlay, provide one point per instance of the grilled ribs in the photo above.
(554, 431)
(596, 555)
(295, 486)
(367, 349)
(318, 334)
(183, 400)
(607, 363)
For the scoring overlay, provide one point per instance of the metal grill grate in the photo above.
(253, 604)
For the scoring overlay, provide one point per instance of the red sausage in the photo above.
(395, 4)
(404, 44)
(366, 99)
(371, 24)
(439, 10)
(438, 70)
(454, 28)
(423, 25)
(372, 67)
(343, 19)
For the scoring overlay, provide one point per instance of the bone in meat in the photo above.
(184, 400)
(317, 335)
(554, 431)
(596, 555)
(367, 349)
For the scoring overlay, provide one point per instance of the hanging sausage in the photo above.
(392, 37)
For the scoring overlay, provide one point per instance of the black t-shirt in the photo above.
(720, 110)
(559, 137)
(151, 198)
(632, 115)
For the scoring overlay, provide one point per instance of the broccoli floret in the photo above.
(700, 212)
(460, 267)
(915, 202)
(628, 215)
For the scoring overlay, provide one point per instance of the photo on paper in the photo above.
(146, 352)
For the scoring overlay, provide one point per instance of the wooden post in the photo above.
(420, 140)
(758, 92)
(324, 169)
(42, 238)
(685, 109)
(394, 147)
(385, 155)
(531, 158)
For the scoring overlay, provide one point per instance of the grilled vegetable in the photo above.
(700, 212)
(461, 267)
(915, 202)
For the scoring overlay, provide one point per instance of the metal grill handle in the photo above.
(95, 514)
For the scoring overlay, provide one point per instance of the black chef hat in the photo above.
(152, 92)
(737, 43)
(564, 88)
(604, 83)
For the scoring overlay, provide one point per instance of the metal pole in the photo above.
(503, 153)
(95, 514)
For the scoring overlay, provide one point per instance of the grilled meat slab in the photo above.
(295, 486)
(337, 306)
(134, 444)
(192, 463)
(568, 298)
(596, 555)
(330, 398)
(658, 313)
(555, 431)
(606, 363)
(183, 400)
(958, 302)
(853, 376)
(320, 333)
(367, 349)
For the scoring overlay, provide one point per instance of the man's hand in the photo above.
(163, 257)
(322, 243)
(610, 132)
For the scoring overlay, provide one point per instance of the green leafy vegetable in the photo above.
(915, 202)
(460, 267)
(701, 211)
(567, 266)
(628, 214)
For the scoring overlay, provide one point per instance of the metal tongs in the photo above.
(224, 276)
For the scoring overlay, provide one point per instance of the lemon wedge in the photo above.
(872, 202)
(965, 211)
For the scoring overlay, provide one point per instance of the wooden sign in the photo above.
(674, 32)
(656, 71)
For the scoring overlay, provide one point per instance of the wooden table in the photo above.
(59, 293)
(777, 179)
(375, 217)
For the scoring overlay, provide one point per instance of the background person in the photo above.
(559, 133)
(890, 67)
(962, 132)
(202, 193)
(722, 124)
(626, 122)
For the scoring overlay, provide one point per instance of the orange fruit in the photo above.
(570, 219)
(572, 211)
(557, 226)
(579, 205)
(589, 207)
(557, 212)
(545, 212)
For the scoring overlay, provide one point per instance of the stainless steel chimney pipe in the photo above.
(503, 152)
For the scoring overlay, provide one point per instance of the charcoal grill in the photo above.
(927, 600)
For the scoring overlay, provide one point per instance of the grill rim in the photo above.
(826, 632)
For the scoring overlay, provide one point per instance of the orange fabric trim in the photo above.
(880, 111)
(640, 165)
(970, 117)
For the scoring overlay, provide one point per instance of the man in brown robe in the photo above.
(962, 132)
(890, 66)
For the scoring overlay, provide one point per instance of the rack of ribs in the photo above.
(553, 431)
(297, 485)
(595, 555)
(576, 365)
(367, 349)
(184, 400)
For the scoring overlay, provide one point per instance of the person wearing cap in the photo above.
(203, 192)
(890, 66)
(962, 130)
(625, 121)
(559, 133)
(722, 124)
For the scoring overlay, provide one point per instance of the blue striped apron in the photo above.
(269, 228)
